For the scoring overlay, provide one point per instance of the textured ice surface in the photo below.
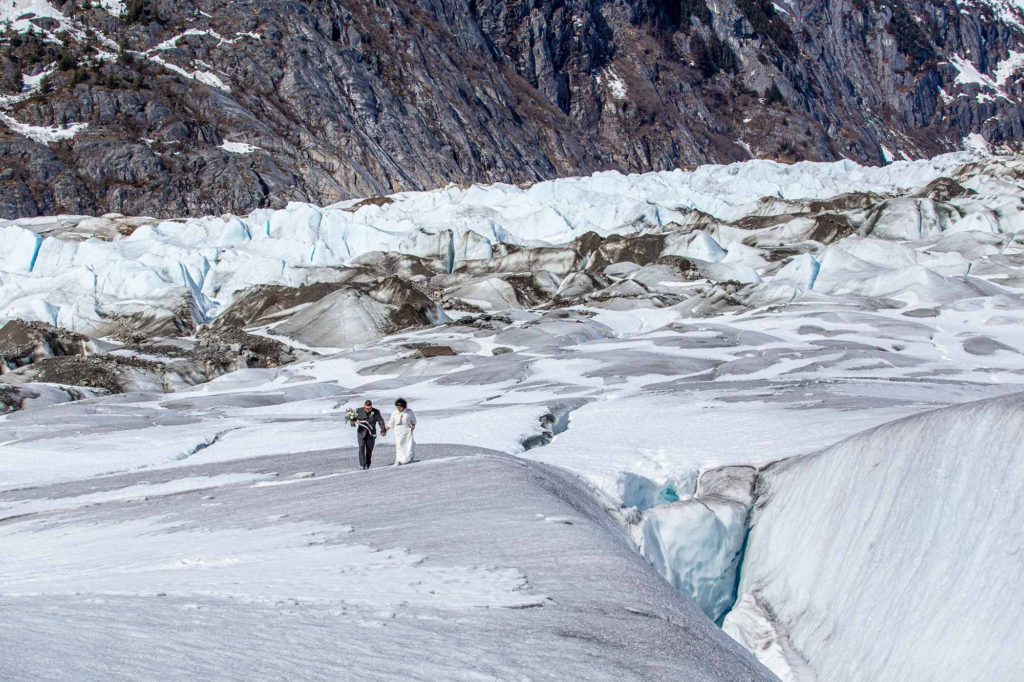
(468, 565)
(894, 555)
(670, 417)
(642, 403)
(60, 278)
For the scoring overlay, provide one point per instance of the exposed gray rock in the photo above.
(361, 98)
(22, 343)
(146, 364)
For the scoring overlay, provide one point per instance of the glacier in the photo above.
(307, 566)
(890, 530)
(79, 272)
(783, 400)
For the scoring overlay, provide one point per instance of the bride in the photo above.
(403, 422)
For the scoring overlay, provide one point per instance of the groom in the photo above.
(366, 431)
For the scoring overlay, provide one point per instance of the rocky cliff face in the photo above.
(163, 107)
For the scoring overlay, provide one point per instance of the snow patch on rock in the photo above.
(238, 147)
(43, 134)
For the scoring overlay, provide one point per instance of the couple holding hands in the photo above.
(365, 422)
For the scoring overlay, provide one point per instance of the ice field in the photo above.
(77, 271)
(783, 440)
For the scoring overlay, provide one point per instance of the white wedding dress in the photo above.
(402, 424)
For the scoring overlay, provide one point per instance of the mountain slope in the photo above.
(204, 107)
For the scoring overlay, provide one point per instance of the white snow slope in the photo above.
(467, 566)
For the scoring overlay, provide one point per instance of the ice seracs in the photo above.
(697, 542)
(213, 259)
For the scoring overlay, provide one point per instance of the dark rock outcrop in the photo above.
(22, 343)
(342, 98)
(37, 353)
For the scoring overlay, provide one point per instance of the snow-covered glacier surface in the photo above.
(782, 399)
(912, 527)
(258, 569)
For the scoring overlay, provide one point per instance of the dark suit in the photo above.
(366, 433)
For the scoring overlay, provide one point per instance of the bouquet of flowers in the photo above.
(350, 416)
